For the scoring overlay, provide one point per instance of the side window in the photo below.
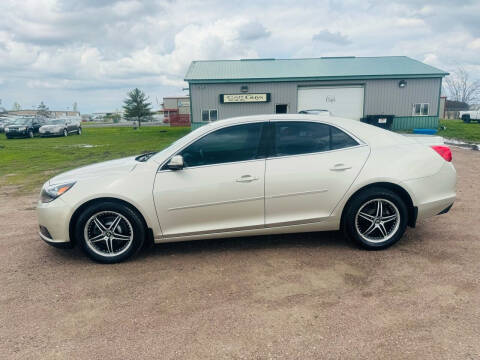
(340, 140)
(295, 138)
(234, 143)
(420, 109)
(210, 115)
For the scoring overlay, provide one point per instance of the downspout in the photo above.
(190, 96)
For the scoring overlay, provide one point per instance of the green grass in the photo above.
(457, 129)
(28, 163)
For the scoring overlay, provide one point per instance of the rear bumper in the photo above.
(434, 194)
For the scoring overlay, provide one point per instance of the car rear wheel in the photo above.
(375, 219)
(110, 232)
(65, 132)
(30, 134)
(79, 131)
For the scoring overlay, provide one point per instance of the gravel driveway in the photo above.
(302, 296)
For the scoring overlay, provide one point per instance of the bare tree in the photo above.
(460, 87)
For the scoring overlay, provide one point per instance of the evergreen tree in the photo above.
(136, 106)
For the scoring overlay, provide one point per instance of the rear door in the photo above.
(310, 167)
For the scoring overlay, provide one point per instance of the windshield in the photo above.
(55, 122)
(22, 121)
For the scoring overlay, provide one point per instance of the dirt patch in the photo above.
(299, 296)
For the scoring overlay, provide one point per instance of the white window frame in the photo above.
(209, 115)
(421, 107)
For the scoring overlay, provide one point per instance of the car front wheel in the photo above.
(79, 131)
(30, 134)
(375, 219)
(65, 132)
(110, 232)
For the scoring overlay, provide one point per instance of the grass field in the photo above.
(27, 163)
(457, 129)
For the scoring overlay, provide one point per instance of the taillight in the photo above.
(443, 151)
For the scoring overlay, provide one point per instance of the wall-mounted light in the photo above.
(244, 88)
(402, 84)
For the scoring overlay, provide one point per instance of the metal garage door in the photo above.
(342, 101)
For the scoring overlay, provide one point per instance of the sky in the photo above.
(93, 52)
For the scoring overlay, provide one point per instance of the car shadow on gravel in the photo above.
(330, 239)
(313, 240)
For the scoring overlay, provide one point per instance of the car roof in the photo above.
(370, 134)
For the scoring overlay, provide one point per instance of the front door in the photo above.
(311, 168)
(221, 187)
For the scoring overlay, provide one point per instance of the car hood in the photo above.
(101, 170)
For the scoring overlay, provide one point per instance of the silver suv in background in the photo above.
(61, 127)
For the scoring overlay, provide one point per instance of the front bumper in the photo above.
(17, 133)
(50, 133)
(54, 217)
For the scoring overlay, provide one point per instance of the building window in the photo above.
(281, 108)
(209, 115)
(213, 115)
(420, 109)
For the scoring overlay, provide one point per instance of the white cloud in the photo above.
(93, 51)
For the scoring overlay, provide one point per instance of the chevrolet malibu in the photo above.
(254, 175)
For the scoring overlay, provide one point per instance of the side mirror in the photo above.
(176, 163)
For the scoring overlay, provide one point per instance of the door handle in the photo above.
(246, 179)
(340, 167)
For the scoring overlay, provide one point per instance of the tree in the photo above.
(43, 110)
(16, 106)
(136, 106)
(460, 88)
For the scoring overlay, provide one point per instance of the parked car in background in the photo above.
(254, 175)
(315, 112)
(468, 116)
(23, 127)
(61, 127)
(3, 122)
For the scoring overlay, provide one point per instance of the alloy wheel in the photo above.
(377, 220)
(108, 233)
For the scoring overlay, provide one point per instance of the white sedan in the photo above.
(253, 175)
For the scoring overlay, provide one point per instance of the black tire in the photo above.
(30, 134)
(137, 230)
(352, 222)
(79, 131)
(65, 132)
(466, 118)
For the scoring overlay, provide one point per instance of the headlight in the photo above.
(51, 192)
